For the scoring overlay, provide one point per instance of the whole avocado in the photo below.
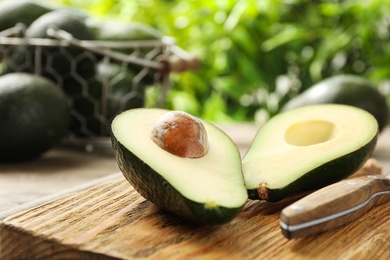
(22, 11)
(58, 63)
(67, 20)
(86, 97)
(34, 116)
(348, 90)
(123, 92)
(114, 30)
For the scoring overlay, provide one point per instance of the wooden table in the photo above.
(66, 168)
(41, 199)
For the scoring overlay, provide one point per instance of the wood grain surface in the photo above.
(57, 170)
(70, 165)
(112, 221)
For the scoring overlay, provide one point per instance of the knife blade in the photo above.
(334, 205)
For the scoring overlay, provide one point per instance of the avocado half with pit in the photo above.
(308, 148)
(180, 163)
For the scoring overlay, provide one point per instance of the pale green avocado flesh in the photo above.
(209, 189)
(306, 148)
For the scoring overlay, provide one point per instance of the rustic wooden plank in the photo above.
(111, 221)
(57, 170)
(41, 200)
(69, 166)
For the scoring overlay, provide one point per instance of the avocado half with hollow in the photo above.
(308, 148)
(350, 90)
(204, 185)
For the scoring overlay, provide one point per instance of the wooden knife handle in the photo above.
(334, 205)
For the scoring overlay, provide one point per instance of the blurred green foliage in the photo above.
(258, 54)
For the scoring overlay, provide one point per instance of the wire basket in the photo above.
(100, 78)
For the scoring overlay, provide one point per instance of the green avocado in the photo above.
(345, 89)
(66, 20)
(59, 63)
(208, 189)
(86, 103)
(34, 116)
(123, 96)
(308, 148)
(115, 30)
(22, 11)
(56, 63)
(97, 100)
(123, 91)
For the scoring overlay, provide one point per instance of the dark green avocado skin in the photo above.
(152, 186)
(21, 11)
(323, 175)
(34, 116)
(348, 90)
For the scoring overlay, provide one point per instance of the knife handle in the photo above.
(334, 205)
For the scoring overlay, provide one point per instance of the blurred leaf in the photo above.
(215, 109)
(183, 101)
(287, 34)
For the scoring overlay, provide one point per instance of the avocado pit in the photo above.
(180, 134)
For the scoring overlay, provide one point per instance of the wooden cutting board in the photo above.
(110, 220)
